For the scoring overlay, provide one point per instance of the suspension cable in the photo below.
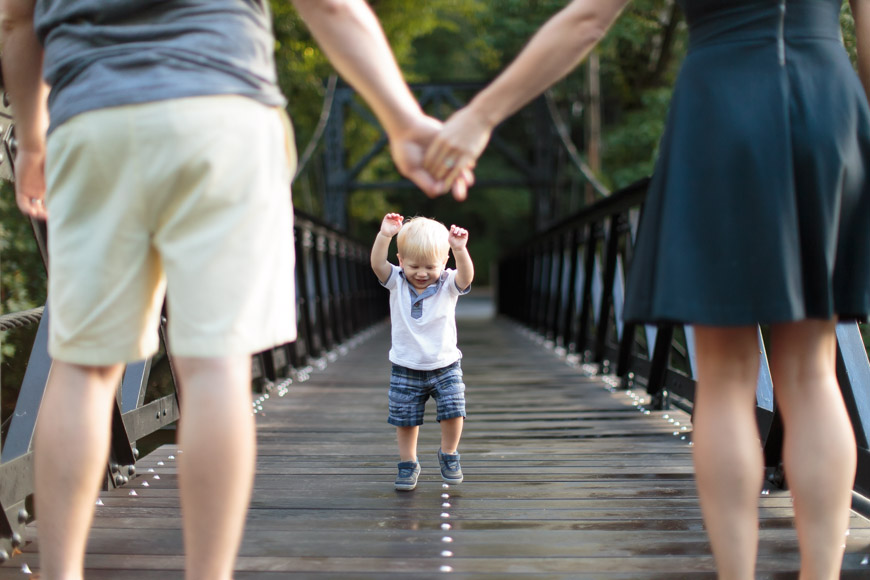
(564, 135)
(20, 319)
(321, 125)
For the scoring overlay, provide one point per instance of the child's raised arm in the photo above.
(458, 239)
(389, 227)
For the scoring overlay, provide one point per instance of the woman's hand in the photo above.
(457, 147)
(408, 149)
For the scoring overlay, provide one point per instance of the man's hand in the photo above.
(408, 150)
(458, 237)
(391, 225)
(30, 183)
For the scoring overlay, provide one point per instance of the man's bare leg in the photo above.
(71, 450)
(216, 430)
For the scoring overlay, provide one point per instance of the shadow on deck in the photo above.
(565, 478)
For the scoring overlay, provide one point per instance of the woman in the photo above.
(758, 212)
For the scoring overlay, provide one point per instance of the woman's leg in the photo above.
(728, 461)
(819, 450)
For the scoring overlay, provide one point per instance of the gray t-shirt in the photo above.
(106, 53)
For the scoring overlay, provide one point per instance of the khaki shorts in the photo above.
(187, 198)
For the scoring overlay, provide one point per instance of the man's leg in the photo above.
(216, 428)
(71, 448)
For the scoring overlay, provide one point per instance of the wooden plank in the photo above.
(565, 478)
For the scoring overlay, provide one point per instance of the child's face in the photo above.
(422, 272)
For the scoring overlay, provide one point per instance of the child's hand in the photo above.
(391, 225)
(458, 237)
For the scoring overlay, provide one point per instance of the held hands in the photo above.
(457, 238)
(408, 149)
(454, 152)
(391, 225)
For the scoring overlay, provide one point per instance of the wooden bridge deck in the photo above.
(564, 479)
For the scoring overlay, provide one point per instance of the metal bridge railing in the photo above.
(568, 285)
(337, 298)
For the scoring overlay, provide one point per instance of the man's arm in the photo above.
(28, 94)
(352, 38)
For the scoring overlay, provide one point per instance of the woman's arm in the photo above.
(861, 14)
(556, 49)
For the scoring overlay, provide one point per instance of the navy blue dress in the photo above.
(759, 207)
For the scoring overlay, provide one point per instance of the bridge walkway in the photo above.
(566, 477)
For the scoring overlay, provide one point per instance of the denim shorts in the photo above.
(410, 389)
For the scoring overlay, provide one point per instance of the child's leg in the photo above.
(451, 431)
(450, 395)
(407, 437)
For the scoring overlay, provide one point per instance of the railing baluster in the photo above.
(594, 302)
(611, 247)
(336, 296)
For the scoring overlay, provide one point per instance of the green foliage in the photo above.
(847, 25)
(22, 276)
(22, 287)
(640, 59)
(631, 144)
(454, 41)
(471, 41)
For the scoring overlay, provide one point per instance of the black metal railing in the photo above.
(568, 285)
(337, 297)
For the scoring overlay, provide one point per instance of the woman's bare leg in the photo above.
(727, 452)
(819, 450)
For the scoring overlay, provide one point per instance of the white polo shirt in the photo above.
(424, 325)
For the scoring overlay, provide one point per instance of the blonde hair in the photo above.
(423, 238)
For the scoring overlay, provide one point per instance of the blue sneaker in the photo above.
(451, 471)
(408, 473)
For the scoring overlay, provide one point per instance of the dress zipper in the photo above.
(780, 34)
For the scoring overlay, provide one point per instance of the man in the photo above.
(167, 166)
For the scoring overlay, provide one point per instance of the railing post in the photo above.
(528, 302)
(659, 366)
(582, 333)
(321, 280)
(20, 434)
(335, 293)
(308, 288)
(564, 330)
(853, 374)
(611, 248)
